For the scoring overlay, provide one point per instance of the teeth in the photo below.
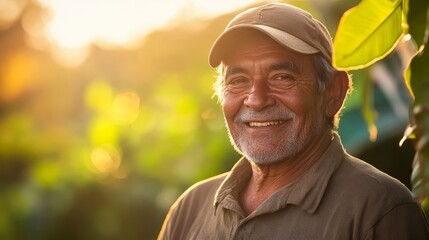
(264, 124)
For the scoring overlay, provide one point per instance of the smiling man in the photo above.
(281, 98)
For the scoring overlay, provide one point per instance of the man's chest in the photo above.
(288, 223)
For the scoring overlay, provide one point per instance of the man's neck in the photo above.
(269, 178)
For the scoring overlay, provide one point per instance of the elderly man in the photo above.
(281, 97)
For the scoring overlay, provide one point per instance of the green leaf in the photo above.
(367, 33)
(421, 161)
(417, 20)
(405, 10)
(419, 77)
(368, 110)
(417, 179)
(407, 77)
(419, 81)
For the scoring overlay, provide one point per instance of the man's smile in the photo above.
(264, 124)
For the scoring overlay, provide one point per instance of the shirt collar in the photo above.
(305, 192)
(234, 182)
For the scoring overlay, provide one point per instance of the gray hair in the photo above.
(324, 71)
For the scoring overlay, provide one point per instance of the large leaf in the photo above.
(417, 20)
(367, 33)
(419, 82)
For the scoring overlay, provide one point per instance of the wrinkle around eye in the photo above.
(237, 81)
(282, 81)
(238, 85)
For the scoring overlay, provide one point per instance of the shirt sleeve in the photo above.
(164, 233)
(406, 221)
(169, 226)
(178, 218)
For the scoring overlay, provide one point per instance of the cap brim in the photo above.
(226, 40)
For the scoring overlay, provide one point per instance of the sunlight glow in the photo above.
(126, 107)
(18, 76)
(105, 160)
(79, 22)
(75, 24)
(10, 10)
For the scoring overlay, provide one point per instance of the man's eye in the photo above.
(237, 81)
(282, 77)
(237, 84)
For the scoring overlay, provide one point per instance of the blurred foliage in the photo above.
(101, 150)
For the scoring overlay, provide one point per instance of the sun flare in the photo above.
(73, 25)
(112, 22)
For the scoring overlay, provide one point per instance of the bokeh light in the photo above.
(106, 160)
(10, 11)
(125, 109)
(18, 76)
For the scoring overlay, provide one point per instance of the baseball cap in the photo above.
(288, 25)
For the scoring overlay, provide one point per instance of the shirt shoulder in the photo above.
(362, 200)
(205, 189)
(367, 181)
(191, 208)
(369, 195)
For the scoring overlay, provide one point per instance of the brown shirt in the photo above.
(339, 197)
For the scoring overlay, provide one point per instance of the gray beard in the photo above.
(289, 147)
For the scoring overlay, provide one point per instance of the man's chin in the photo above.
(265, 158)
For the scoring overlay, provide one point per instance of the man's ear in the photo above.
(336, 92)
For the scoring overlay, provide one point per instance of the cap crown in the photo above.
(283, 17)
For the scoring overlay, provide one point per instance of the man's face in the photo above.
(271, 102)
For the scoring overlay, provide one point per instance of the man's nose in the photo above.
(259, 96)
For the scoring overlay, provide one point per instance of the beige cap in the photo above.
(288, 25)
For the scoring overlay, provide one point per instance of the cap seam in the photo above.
(260, 15)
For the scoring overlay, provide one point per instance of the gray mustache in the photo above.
(247, 114)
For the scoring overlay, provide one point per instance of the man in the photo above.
(281, 97)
